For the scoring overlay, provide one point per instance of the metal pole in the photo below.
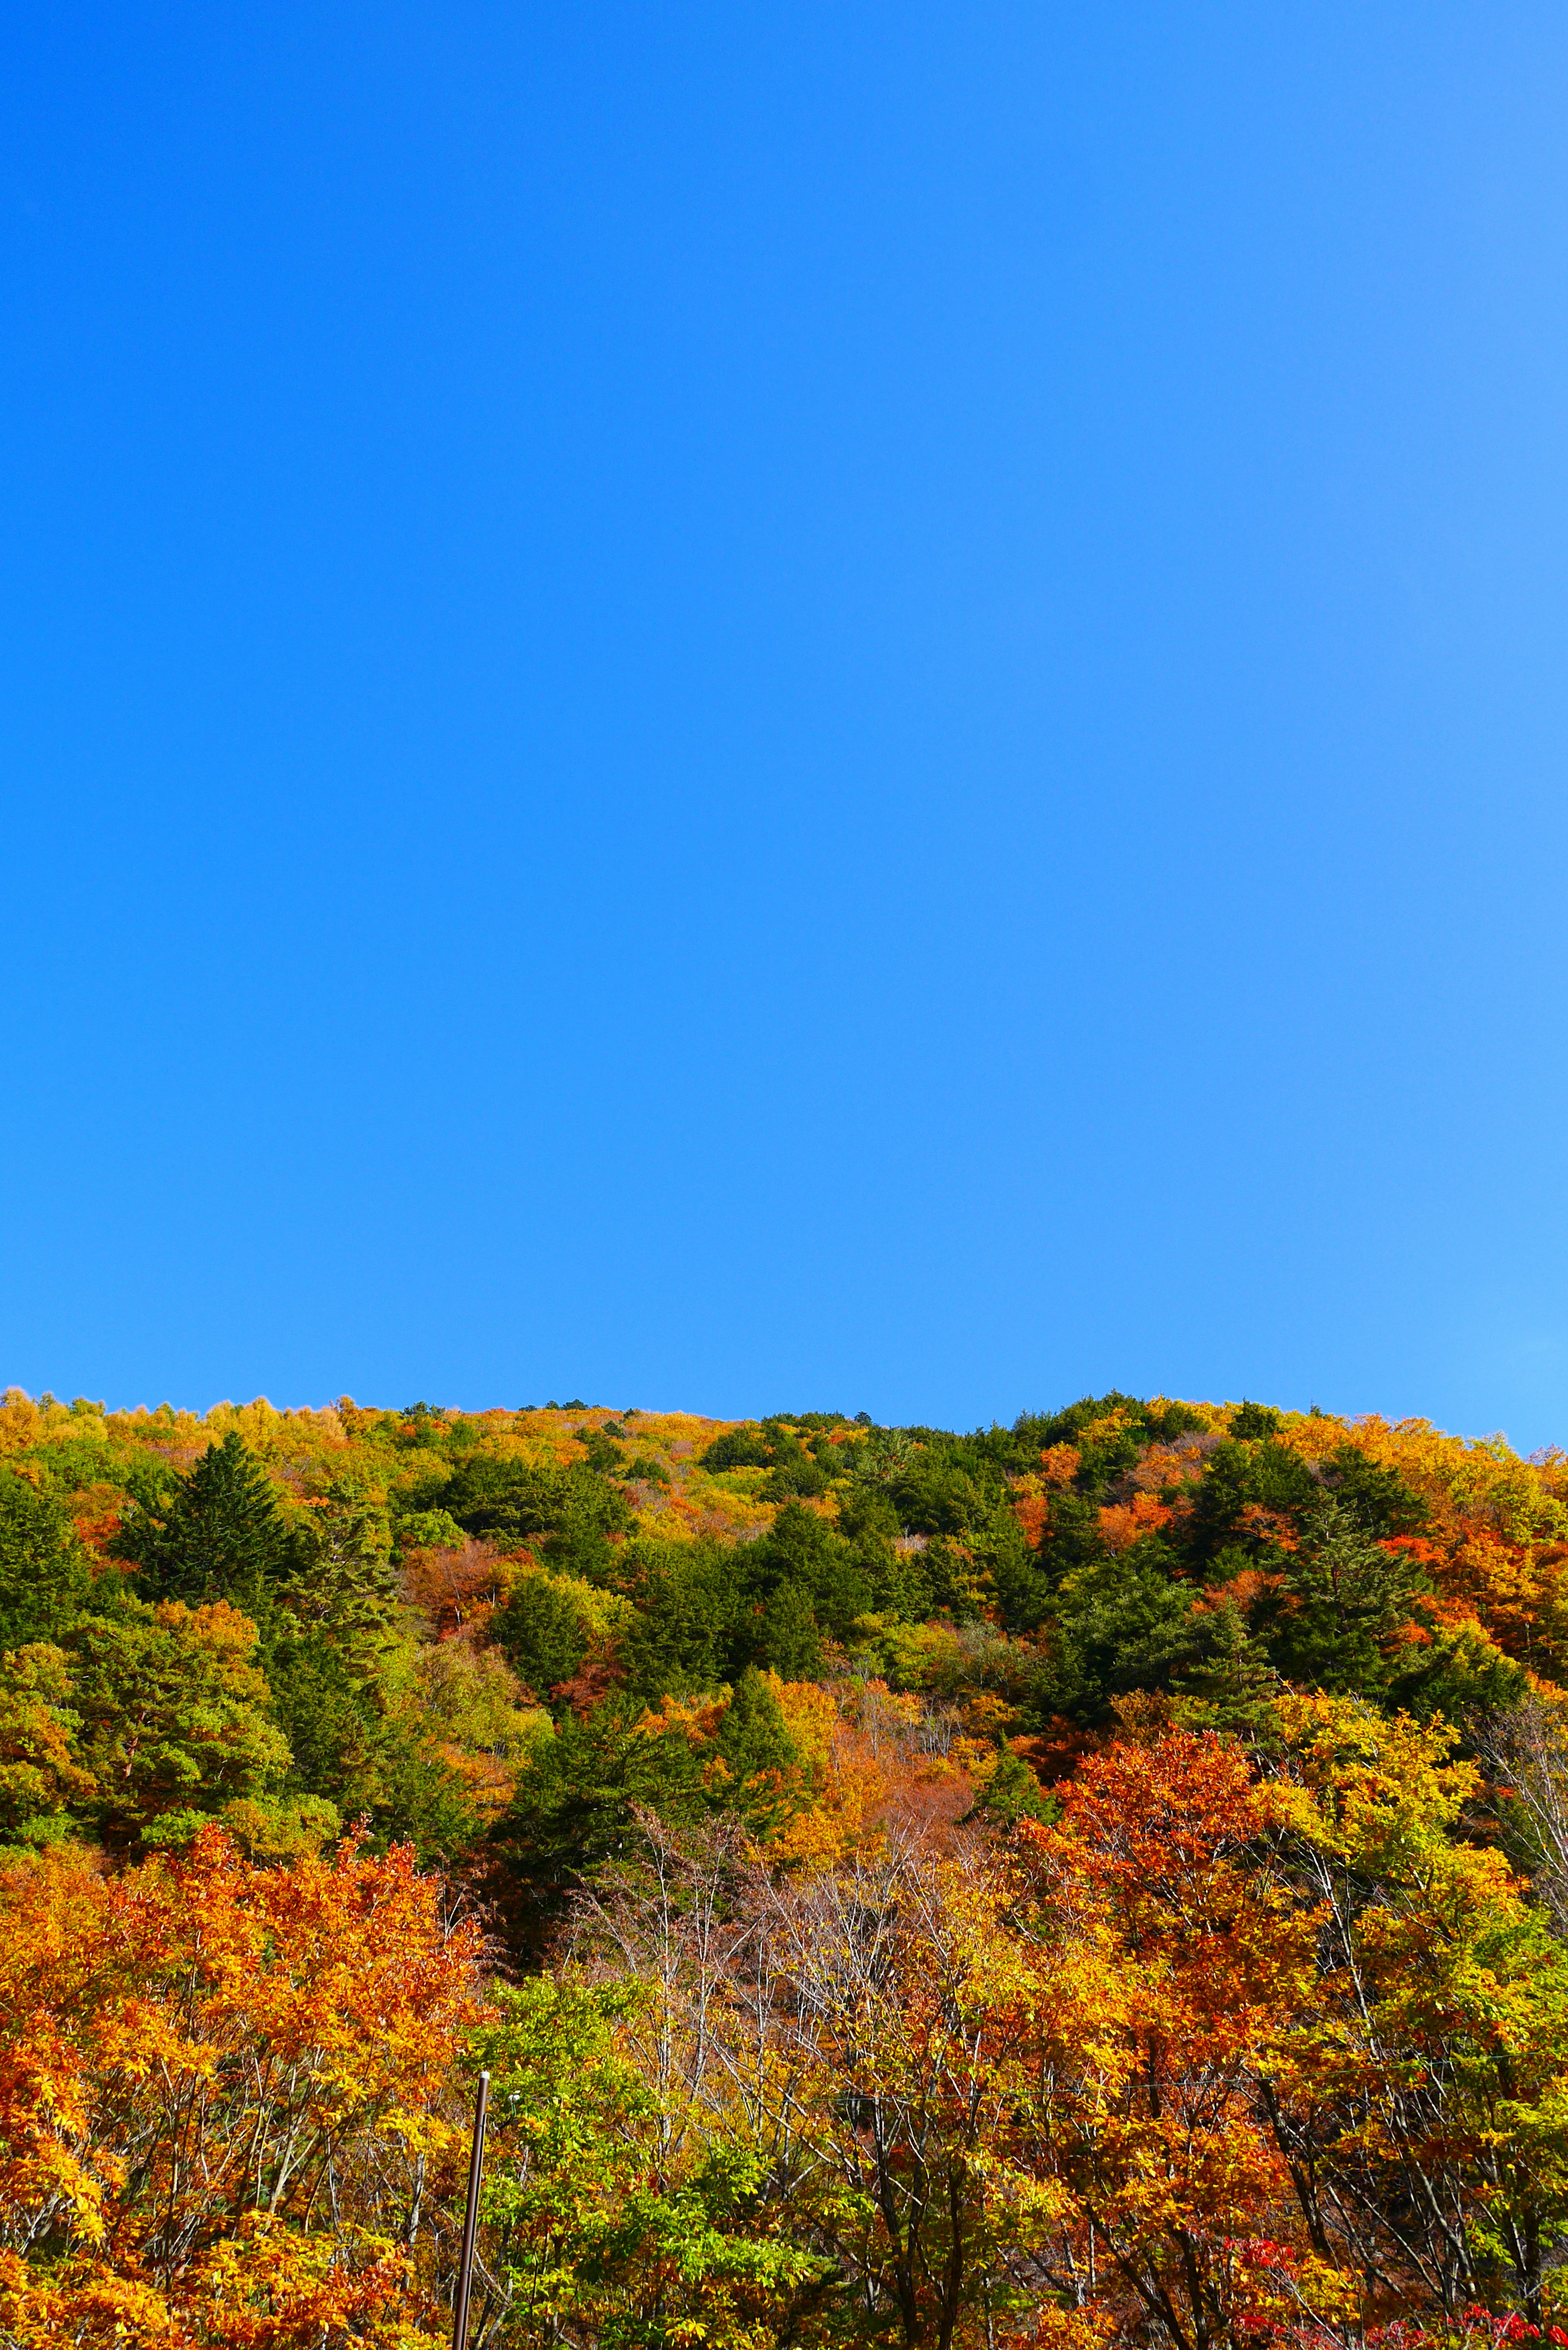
(471, 2217)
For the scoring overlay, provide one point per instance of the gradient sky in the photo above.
(789, 706)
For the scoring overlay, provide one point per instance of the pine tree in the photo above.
(340, 1579)
(221, 1538)
(1231, 1686)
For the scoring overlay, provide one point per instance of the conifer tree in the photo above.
(42, 1566)
(223, 1536)
(340, 1578)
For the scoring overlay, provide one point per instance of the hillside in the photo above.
(1192, 1776)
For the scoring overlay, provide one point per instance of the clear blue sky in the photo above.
(787, 705)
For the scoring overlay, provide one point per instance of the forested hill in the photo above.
(1096, 1880)
(451, 1624)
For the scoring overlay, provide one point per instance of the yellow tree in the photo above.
(223, 2092)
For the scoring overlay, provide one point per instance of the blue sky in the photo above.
(786, 707)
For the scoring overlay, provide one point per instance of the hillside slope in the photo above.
(1100, 1881)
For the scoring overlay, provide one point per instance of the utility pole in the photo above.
(471, 2217)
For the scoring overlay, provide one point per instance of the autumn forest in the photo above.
(1100, 1881)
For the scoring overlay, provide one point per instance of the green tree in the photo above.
(1011, 1793)
(542, 1632)
(45, 1572)
(577, 1802)
(1261, 1472)
(40, 1781)
(738, 1447)
(606, 2220)
(330, 1718)
(173, 1716)
(340, 1577)
(221, 1536)
(1352, 1602)
(1120, 1624)
(1228, 1685)
(690, 1598)
(570, 1513)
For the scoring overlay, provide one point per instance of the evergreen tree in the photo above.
(1231, 1686)
(44, 1570)
(174, 1715)
(340, 1579)
(1354, 1602)
(541, 1633)
(1011, 1793)
(221, 1536)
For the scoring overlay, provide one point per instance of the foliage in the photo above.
(172, 1714)
(220, 2096)
(221, 1535)
(1098, 1881)
(45, 1570)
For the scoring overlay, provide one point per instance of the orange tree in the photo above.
(1169, 1964)
(224, 2098)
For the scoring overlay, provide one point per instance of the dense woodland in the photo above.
(1098, 1881)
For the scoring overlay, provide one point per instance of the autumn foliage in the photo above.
(203, 2067)
(1102, 1881)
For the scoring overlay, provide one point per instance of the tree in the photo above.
(1355, 1600)
(225, 2101)
(608, 2223)
(173, 1716)
(221, 1536)
(45, 1572)
(340, 1578)
(40, 1781)
(582, 1796)
(1169, 1967)
(542, 1629)
(1422, 2097)
(509, 1502)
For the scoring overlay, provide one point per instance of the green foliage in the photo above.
(1023, 1587)
(44, 1573)
(1457, 1675)
(1228, 1683)
(543, 1631)
(706, 1611)
(1120, 1624)
(1377, 1498)
(329, 1717)
(738, 1447)
(602, 2230)
(272, 1831)
(576, 1803)
(805, 1551)
(362, 1745)
(340, 1578)
(1011, 1793)
(604, 1455)
(479, 1702)
(689, 1598)
(512, 1503)
(649, 1469)
(40, 1783)
(796, 1476)
(1265, 1475)
(1353, 1605)
(425, 1530)
(71, 1464)
(173, 1714)
(221, 1535)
